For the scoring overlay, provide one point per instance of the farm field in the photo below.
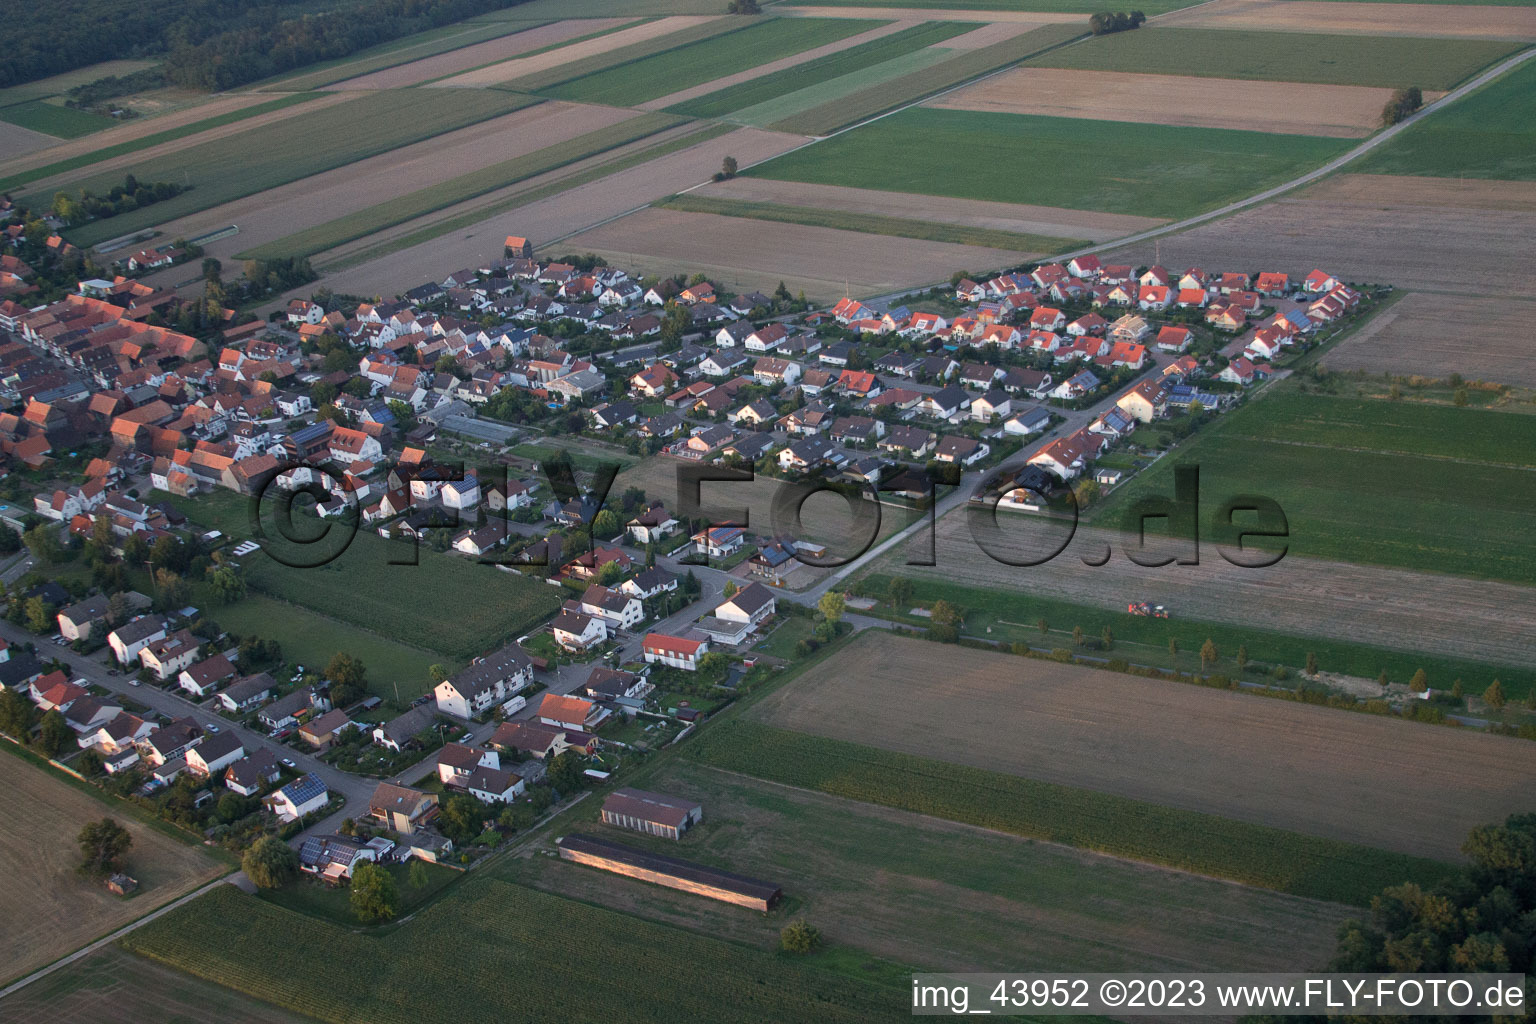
(570, 53)
(509, 964)
(1468, 193)
(1339, 111)
(878, 45)
(18, 141)
(1489, 134)
(743, 255)
(899, 227)
(114, 987)
(563, 135)
(1514, 19)
(55, 85)
(400, 264)
(524, 40)
(1276, 764)
(1050, 221)
(1284, 56)
(944, 896)
(1084, 7)
(707, 60)
(541, 72)
(1429, 335)
(51, 911)
(1375, 482)
(996, 15)
(1156, 170)
(54, 119)
(274, 154)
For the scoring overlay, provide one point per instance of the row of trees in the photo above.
(1105, 22)
(130, 195)
(1402, 103)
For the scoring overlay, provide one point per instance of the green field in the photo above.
(823, 69)
(1151, 170)
(1435, 488)
(56, 120)
(394, 53)
(681, 68)
(491, 950)
(1256, 855)
(134, 145)
(400, 209)
(1010, 616)
(1386, 61)
(823, 97)
(333, 903)
(633, 53)
(1489, 134)
(224, 169)
(56, 84)
(874, 224)
(866, 99)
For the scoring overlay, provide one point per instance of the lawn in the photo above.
(133, 145)
(1385, 61)
(823, 69)
(1435, 488)
(1150, 170)
(229, 168)
(1489, 134)
(874, 224)
(54, 119)
(758, 43)
(400, 209)
(333, 903)
(1257, 855)
(508, 962)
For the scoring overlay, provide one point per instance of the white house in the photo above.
(302, 796)
(461, 494)
(751, 604)
(674, 651)
(486, 682)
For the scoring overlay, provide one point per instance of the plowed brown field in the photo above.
(1451, 20)
(517, 67)
(1438, 335)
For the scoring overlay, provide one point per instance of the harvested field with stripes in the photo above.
(1453, 20)
(569, 56)
(1438, 335)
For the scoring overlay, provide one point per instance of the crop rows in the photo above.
(1251, 854)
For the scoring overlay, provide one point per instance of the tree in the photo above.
(40, 615)
(1242, 657)
(1311, 663)
(418, 873)
(43, 542)
(1419, 683)
(1402, 104)
(103, 844)
(1043, 626)
(348, 678)
(227, 584)
(89, 763)
(565, 771)
(1458, 691)
(731, 589)
(1077, 636)
(728, 166)
(1107, 638)
(171, 591)
(1382, 680)
(610, 573)
(437, 673)
(606, 524)
(832, 605)
(1493, 696)
(900, 592)
(1173, 647)
(270, 862)
(375, 897)
(135, 550)
(799, 936)
(1459, 397)
(17, 714)
(1208, 654)
(54, 733)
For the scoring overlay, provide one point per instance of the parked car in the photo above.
(288, 763)
(131, 682)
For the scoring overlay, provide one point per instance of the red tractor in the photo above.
(1143, 608)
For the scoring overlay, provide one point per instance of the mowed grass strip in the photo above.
(239, 165)
(542, 80)
(459, 221)
(823, 69)
(1113, 166)
(874, 224)
(1489, 134)
(467, 186)
(1420, 487)
(507, 964)
(1256, 855)
(169, 135)
(56, 120)
(862, 103)
(685, 67)
(1385, 61)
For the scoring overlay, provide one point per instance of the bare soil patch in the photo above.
(1438, 335)
(17, 140)
(1034, 18)
(49, 910)
(517, 67)
(1052, 221)
(478, 54)
(1406, 243)
(1375, 605)
(746, 254)
(1288, 108)
(280, 211)
(1375, 781)
(1472, 193)
(986, 35)
(773, 67)
(1449, 20)
(560, 215)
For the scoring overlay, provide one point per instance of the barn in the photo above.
(669, 871)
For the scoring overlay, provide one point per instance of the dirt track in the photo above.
(1450, 20)
(280, 211)
(1438, 335)
(1380, 782)
(463, 59)
(561, 214)
(1291, 108)
(1393, 608)
(518, 67)
(1052, 221)
(745, 254)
